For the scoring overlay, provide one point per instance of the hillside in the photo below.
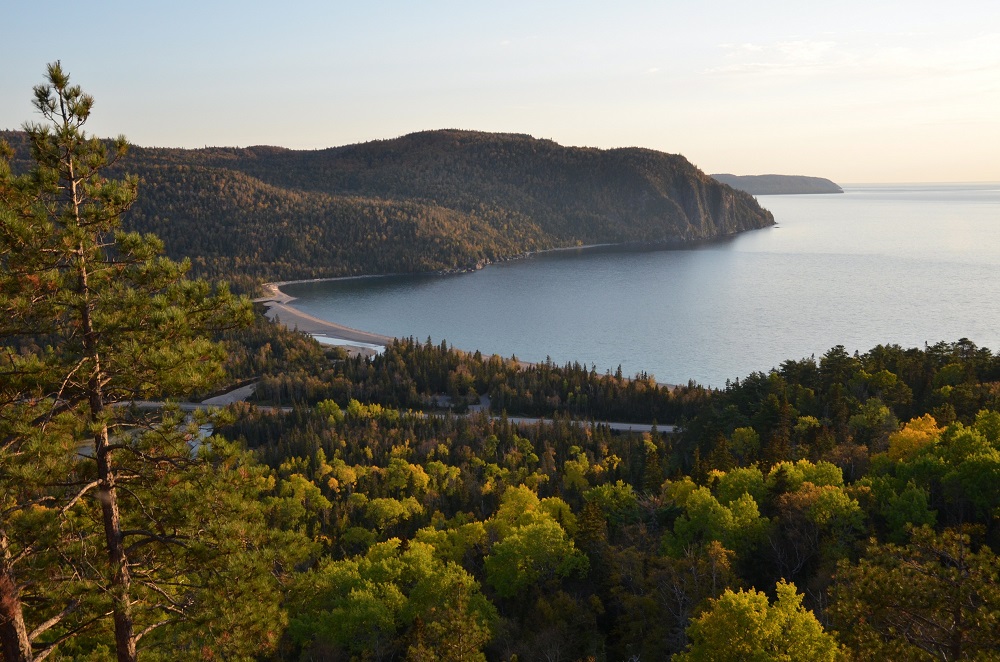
(428, 201)
(779, 184)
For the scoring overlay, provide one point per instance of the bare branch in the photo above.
(79, 495)
(150, 537)
(49, 648)
(70, 608)
(153, 627)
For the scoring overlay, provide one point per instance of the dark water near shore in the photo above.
(878, 264)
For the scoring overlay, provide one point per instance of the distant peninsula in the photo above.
(441, 200)
(779, 184)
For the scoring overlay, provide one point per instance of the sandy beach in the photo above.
(278, 309)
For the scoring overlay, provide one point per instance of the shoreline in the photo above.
(355, 341)
(298, 321)
(273, 292)
(278, 306)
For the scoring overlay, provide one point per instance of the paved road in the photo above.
(244, 392)
(484, 405)
(615, 426)
(236, 395)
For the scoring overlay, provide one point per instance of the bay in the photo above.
(878, 264)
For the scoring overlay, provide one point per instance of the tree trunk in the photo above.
(14, 643)
(121, 580)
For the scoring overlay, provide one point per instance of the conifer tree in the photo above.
(91, 319)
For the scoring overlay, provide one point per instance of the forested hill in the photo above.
(426, 201)
(779, 184)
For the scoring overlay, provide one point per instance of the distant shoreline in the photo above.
(273, 292)
(779, 184)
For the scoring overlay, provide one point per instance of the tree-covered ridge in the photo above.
(779, 184)
(428, 201)
(576, 194)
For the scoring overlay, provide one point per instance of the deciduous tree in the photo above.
(746, 626)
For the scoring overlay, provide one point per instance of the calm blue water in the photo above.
(877, 264)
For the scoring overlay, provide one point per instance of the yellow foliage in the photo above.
(917, 434)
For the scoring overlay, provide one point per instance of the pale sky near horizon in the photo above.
(854, 91)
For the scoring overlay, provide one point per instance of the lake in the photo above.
(878, 264)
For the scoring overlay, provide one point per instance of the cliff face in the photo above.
(426, 201)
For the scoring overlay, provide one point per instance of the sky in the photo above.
(859, 92)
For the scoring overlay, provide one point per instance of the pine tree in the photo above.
(93, 318)
(36, 444)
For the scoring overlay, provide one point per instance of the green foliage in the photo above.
(385, 513)
(733, 484)
(530, 554)
(746, 626)
(298, 504)
(295, 369)
(618, 502)
(505, 502)
(909, 508)
(226, 582)
(843, 409)
(955, 471)
(455, 542)
(705, 519)
(497, 495)
(745, 444)
(371, 604)
(790, 476)
(532, 545)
